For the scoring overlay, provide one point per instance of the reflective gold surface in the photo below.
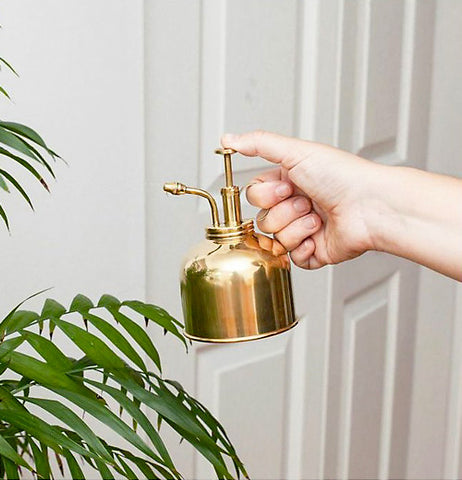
(235, 286)
(235, 291)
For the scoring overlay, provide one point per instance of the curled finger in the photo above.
(294, 234)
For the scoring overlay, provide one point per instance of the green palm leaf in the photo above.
(138, 335)
(17, 186)
(25, 164)
(28, 133)
(74, 467)
(18, 143)
(126, 381)
(6, 450)
(157, 315)
(73, 421)
(42, 463)
(132, 409)
(21, 139)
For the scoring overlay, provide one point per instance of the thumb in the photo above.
(275, 148)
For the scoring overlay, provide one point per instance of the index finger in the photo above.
(270, 146)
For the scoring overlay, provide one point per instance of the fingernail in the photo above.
(229, 138)
(310, 222)
(301, 204)
(283, 190)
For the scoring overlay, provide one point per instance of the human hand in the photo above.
(317, 202)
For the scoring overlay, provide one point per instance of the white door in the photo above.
(330, 398)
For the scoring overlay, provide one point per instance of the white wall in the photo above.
(433, 444)
(81, 87)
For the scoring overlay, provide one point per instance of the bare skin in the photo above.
(326, 206)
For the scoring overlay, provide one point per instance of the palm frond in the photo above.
(21, 145)
(111, 370)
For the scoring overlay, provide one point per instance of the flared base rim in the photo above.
(240, 339)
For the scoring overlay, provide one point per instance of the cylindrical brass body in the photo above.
(236, 290)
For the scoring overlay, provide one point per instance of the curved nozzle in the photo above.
(177, 188)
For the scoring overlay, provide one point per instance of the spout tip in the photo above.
(175, 188)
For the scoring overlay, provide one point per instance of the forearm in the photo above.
(419, 217)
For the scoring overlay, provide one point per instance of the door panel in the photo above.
(371, 334)
(248, 74)
(331, 398)
(245, 386)
(376, 58)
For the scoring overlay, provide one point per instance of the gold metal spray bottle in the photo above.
(235, 285)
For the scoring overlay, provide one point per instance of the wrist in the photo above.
(383, 219)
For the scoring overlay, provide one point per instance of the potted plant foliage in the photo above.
(48, 396)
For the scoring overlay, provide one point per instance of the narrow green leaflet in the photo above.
(48, 351)
(12, 140)
(10, 402)
(81, 304)
(92, 346)
(42, 463)
(157, 315)
(103, 414)
(139, 335)
(129, 473)
(215, 460)
(21, 319)
(82, 364)
(45, 433)
(73, 421)
(6, 450)
(44, 374)
(25, 164)
(11, 469)
(38, 155)
(109, 302)
(72, 465)
(117, 339)
(18, 143)
(182, 420)
(145, 467)
(52, 309)
(8, 346)
(17, 185)
(29, 133)
(7, 319)
(139, 416)
(104, 470)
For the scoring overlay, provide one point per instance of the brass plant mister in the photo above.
(235, 285)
